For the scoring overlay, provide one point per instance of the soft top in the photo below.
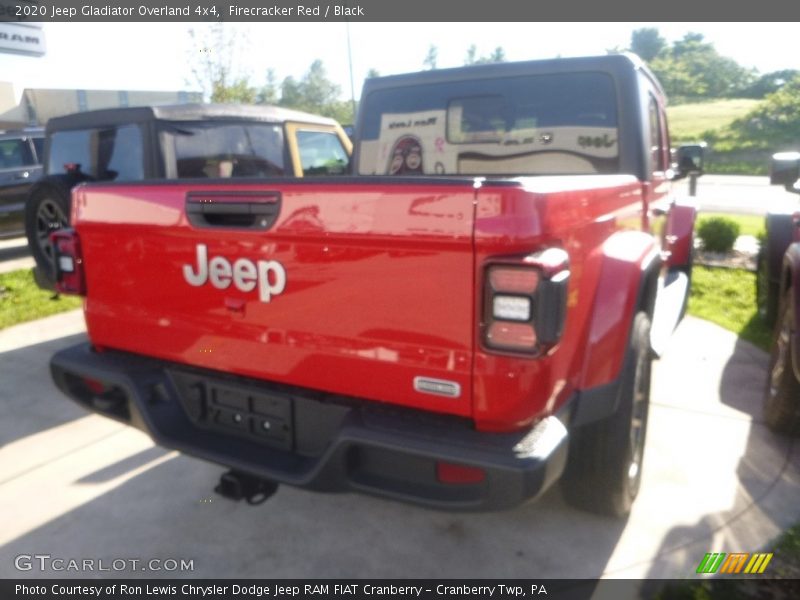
(183, 112)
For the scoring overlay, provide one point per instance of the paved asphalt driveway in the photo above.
(74, 485)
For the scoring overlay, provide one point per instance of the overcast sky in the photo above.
(157, 56)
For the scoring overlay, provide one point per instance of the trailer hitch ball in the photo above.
(236, 486)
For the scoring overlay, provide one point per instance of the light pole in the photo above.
(350, 63)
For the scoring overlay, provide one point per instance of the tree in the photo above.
(315, 89)
(431, 57)
(647, 43)
(212, 60)
(213, 71)
(770, 82)
(315, 93)
(268, 93)
(373, 73)
(471, 57)
(238, 91)
(498, 55)
(692, 67)
(776, 118)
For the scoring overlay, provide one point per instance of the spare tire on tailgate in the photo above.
(47, 209)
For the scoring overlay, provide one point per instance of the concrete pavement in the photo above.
(81, 486)
(14, 255)
(743, 194)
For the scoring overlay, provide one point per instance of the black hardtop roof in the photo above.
(183, 112)
(615, 63)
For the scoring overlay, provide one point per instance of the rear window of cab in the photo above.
(564, 123)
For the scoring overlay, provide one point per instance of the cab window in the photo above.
(656, 139)
(321, 153)
(15, 153)
(226, 149)
(545, 124)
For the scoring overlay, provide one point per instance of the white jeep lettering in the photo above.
(244, 275)
(198, 278)
(265, 288)
(219, 272)
(268, 275)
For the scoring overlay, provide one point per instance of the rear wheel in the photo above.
(766, 290)
(780, 230)
(604, 470)
(782, 394)
(46, 211)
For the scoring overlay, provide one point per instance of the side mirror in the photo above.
(784, 169)
(689, 160)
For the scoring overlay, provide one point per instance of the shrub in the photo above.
(718, 234)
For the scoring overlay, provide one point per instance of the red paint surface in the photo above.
(383, 284)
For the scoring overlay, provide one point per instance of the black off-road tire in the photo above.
(767, 291)
(782, 392)
(604, 468)
(779, 235)
(46, 210)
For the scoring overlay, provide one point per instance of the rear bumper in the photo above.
(330, 444)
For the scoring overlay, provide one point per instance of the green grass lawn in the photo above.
(21, 300)
(711, 121)
(688, 122)
(787, 554)
(727, 297)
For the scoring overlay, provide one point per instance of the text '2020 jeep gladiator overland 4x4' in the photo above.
(469, 316)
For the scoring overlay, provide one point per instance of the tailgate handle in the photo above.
(240, 210)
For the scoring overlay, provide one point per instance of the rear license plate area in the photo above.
(259, 415)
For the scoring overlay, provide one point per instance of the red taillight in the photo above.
(70, 277)
(513, 280)
(513, 336)
(455, 473)
(525, 302)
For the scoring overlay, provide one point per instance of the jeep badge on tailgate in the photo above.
(268, 275)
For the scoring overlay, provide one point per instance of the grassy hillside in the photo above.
(688, 122)
(710, 121)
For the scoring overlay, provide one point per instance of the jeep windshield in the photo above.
(224, 149)
(525, 125)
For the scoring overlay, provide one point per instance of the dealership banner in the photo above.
(22, 38)
(391, 10)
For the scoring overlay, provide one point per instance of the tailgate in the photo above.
(360, 289)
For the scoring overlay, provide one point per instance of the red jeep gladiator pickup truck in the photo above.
(466, 317)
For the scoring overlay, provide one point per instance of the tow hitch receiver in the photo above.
(236, 486)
